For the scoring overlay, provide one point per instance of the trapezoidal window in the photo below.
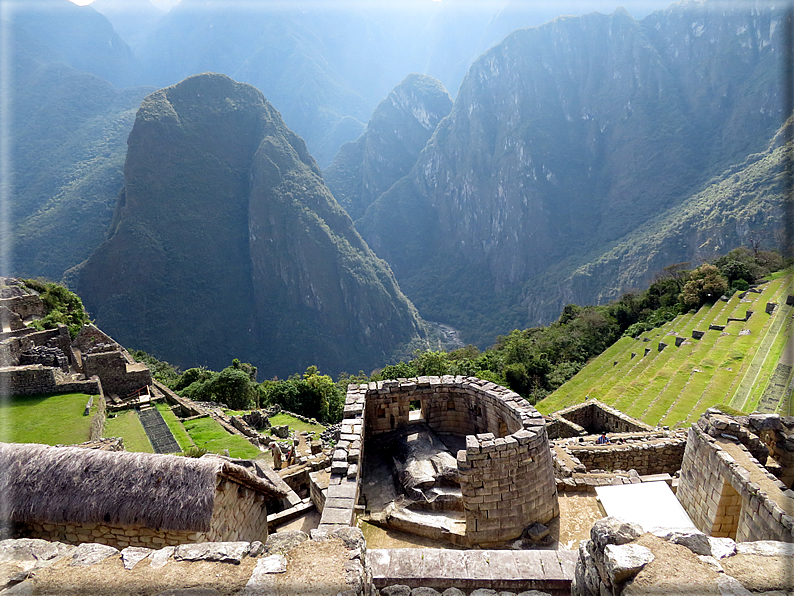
(415, 410)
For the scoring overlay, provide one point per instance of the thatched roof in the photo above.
(46, 484)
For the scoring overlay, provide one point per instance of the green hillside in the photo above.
(745, 366)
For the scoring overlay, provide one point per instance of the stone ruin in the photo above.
(503, 467)
(636, 452)
(45, 362)
(727, 484)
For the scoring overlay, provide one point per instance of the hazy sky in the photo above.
(637, 7)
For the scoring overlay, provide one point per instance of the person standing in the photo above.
(275, 450)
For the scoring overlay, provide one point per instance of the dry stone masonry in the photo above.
(726, 490)
(506, 472)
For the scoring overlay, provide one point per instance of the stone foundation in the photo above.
(41, 380)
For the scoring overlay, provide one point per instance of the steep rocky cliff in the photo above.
(226, 243)
(564, 139)
(398, 130)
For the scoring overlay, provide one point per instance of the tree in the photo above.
(706, 284)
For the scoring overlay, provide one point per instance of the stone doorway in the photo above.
(729, 507)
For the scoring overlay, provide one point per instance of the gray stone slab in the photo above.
(503, 565)
(344, 490)
(160, 557)
(337, 516)
(477, 567)
(132, 555)
(452, 564)
(431, 563)
(529, 565)
(340, 503)
(263, 579)
(379, 559)
(568, 560)
(91, 553)
(406, 564)
(551, 564)
(224, 552)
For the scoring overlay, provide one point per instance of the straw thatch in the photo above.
(42, 484)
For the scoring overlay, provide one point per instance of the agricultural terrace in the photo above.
(744, 366)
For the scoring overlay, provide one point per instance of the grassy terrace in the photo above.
(674, 386)
(175, 426)
(296, 424)
(127, 425)
(47, 419)
(208, 434)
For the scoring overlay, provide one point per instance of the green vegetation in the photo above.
(295, 424)
(127, 425)
(47, 419)
(60, 306)
(728, 369)
(549, 363)
(163, 372)
(175, 426)
(207, 434)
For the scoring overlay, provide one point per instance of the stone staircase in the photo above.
(157, 430)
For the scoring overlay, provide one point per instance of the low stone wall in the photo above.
(560, 428)
(13, 344)
(317, 491)
(42, 380)
(117, 375)
(25, 306)
(343, 486)
(188, 407)
(724, 497)
(98, 421)
(620, 559)
(454, 405)
(115, 536)
(11, 349)
(287, 563)
(657, 456)
(594, 417)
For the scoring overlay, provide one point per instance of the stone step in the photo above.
(513, 570)
(157, 430)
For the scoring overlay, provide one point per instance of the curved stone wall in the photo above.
(507, 475)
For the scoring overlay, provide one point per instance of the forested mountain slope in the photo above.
(564, 139)
(226, 243)
(68, 141)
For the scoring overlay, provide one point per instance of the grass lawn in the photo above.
(128, 426)
(175, 425)
(47, 419)
(294, 424)
(209, 435)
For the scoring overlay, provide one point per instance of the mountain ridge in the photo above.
(226, 234)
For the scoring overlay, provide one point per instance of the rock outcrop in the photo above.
(226, 243)
(399, 129)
